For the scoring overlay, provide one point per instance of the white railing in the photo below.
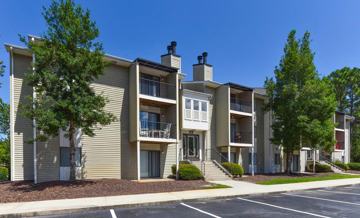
(155, 129)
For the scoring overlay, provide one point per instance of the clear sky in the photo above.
(244, 39)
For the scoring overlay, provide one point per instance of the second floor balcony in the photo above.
(154, 87)
(241, 137)
(240, 105)
(152, 129)
(339, 145)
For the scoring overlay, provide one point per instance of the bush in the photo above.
(320, 168)
(4, 173)
(354, 166)
(187, 171)
(342, 165)
(233, 168)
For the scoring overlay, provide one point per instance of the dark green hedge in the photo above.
(342, 165)
(320, 168)
(354, 166)
(187, 171)
(4, 173)
(233, 168)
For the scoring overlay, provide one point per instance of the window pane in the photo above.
(187, 103)
(203, 106)
(64, 157)
(196, 105)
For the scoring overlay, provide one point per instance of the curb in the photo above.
(90, 208)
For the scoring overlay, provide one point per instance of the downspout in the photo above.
(12, 117)
(253, 135)
(34, 125)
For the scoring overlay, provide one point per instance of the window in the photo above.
(149, 120)
(204, 111)
(196, 110)
(150, 85)
(277, 159)
(196, 115)
(65, 157)
(188, 103)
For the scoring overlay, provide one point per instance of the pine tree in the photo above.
(67, 61)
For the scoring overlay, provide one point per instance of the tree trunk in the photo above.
(72, 152)
(314, 163)
(288, 162)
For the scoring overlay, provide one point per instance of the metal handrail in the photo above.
(222, 168)
(216, 152)
(155, 129)
(156, 88)
(326, 160)
(241, 137)
(239, 105)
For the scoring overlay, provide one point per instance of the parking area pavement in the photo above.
(326, 202)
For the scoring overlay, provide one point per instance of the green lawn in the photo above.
(307, 179)
(217, 186)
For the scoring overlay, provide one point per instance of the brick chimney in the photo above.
(202, 71)
(171, 59)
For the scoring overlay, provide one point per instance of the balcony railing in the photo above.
(238, 105)
(155, 129)
(241, 137)
(340, 145)
(157, 89)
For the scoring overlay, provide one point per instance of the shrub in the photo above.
(320, 168)
(187, 171)
(354, 166)
(233, 168)
(4, 173)
(342, 165)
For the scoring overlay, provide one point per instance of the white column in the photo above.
(201, 144)
(177, 160)
(138, 159)
(12, 117)
(253, 134)
(34, 126)
(229, 156)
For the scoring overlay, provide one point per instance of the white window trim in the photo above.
(199, 111)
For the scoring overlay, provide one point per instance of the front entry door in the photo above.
(191, 147)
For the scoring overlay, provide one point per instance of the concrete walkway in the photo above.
(238, 188)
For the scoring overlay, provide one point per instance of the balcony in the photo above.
(157, 88)
(159, 130)
(239, 105)
(241, 137)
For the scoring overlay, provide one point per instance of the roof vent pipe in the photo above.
(173, 47)
(205, 54)
(199, 59)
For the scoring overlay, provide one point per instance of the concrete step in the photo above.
(211, 172)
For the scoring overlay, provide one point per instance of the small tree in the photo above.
(1, 70)
(67, 61)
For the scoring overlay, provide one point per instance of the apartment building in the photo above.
(162, 119)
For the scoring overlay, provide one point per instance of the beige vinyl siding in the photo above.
(222, 116)
(167, 159)
(23, 132)
(259, 135)
(102, 153)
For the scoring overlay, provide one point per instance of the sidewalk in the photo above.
(238, 188)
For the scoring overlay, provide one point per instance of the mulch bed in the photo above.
(266, 177)
(26, 191)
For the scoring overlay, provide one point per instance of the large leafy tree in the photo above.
(346, 85)
(67, 61)
(318, 105)
(292, 100)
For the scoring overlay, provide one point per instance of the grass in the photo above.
(217, 186)
(277, 181)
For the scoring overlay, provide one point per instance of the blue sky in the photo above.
(244, 39)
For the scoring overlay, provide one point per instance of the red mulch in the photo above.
(26, 191)
(266, 177)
